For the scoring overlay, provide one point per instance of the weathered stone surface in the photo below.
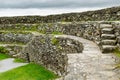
(108, 36)
(108, 30)
(87, 30)
(70, 45)
(106, 26)
(41, 51)
(118, 41)
(108, 48)
(14, 49)
(108, 42)
(91, 64)
(15, 37)
(109, 14)
(51, 52)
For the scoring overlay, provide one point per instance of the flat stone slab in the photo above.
(105, 26)
(108, 42)
(108, 36)
(9, 64)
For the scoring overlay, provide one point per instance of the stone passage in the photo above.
(91, 64)
(108, 38)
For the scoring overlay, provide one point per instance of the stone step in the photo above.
(107, 48)
(106, 26)
(108, 42)
(107, 30)
(108, 36)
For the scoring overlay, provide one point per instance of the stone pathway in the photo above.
(91, 64)
(9, 64)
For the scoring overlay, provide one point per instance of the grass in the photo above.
(28, 72)
(54, 41)
(117, 52)
(57, 33)
(17, 60)
(3, 56)
(3, 50)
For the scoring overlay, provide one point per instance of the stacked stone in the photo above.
(117, 33)
(108, 38)
(14, 37)
(45, 51)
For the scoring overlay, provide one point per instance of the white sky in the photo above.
(48, 7)
(41, 12)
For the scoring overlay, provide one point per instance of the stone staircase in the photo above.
(108, 38)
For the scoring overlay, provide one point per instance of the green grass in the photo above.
(117, 52)
(3, 56)
(54, 41)
(17, 60)
(28, 72)
(57, 33)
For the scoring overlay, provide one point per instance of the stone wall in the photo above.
(19, 27)
(69, 46)
(87, 30)
(20, 38)
(109, 14)
(14, 49)
(117, 33)
(51, 52)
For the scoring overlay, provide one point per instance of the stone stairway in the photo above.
(108, 38)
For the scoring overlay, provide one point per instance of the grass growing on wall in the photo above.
(28, 72)
(54, 41)
(3, 50)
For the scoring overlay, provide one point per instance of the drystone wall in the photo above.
(117, 33)
(10, 37)
(69, 46)
(51, 52)
(13, 49)
(110, 14)
(87, 30)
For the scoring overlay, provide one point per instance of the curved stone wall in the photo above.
(51, 52)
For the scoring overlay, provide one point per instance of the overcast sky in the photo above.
(47, 7)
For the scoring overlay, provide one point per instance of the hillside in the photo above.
(109, 14)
